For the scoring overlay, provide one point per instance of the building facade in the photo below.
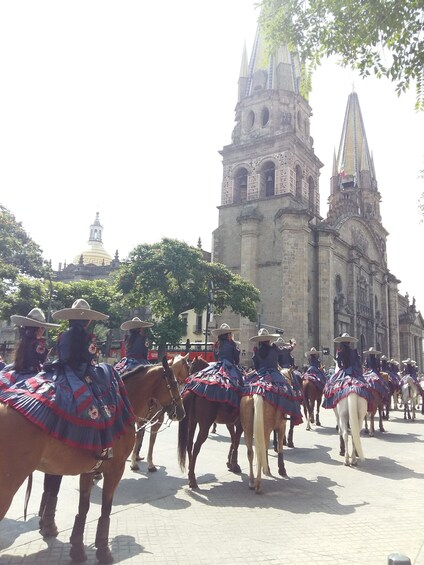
(318, 276)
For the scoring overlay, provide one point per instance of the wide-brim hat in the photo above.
(394, 362)
(406, 361)
(383, 358)
(371, 351)
(223, 329)
(35, 319)
(345, 338)
(263, 335)
(312, 351)
(135, 323)
(80, 310)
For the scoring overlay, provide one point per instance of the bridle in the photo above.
(171, 408)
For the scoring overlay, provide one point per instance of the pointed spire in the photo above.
(96, 230)
(353, 155)
(335, 171)
(244, 68)
(279, 70)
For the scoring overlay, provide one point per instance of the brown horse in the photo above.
(258, 419)
(154, 416)
(28, 449)
(312, 398)
(203, 412)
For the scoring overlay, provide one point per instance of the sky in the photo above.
(122, 108)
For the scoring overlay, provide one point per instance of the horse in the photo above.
(153, 417)
(379, 390)
(410, 395)
(203, 412)
(258, 419)
(350, 412)
(28, 448)
(312, 396)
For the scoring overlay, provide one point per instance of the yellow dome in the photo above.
(95, 255)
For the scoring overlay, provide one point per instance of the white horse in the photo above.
(351, 412)
(410, 395)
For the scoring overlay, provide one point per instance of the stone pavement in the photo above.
(325, 513)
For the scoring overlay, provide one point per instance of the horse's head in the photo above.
(180, 368)
(198, 364)
(175, 408)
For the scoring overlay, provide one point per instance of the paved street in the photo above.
(325, 513)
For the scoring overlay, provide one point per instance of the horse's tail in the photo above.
(259, 434)
(355, 424)
(183, 431)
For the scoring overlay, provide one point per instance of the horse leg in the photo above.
(281, 431)
(77, 551)
(139, 435)
(246, 419)
(110, 483)
(202, 436)
(380, 418)
(372, 429)
(151, 467)
(366, 430)
(235, 431)
(317, 420)
(290, 434)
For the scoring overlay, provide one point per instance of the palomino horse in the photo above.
(153, 417)
(410, 395)
(350, 412)
(204, 412)
(28, 449)
(259, 418)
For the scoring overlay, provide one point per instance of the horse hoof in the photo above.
(77, 554)
(283, 473)
(104, 555)
(234, 468)
(152, 469)
(193, 484)
(290, 444)
(259, 490)
(49, 530)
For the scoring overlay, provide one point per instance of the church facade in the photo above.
(318, 276)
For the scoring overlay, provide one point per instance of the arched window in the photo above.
(311, 193)
(240, 186)
(298, 182)
(268, 179)
(265, 116)
(250, 120)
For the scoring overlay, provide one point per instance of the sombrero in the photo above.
(394, 362)
(35, 319)
(223, 329)
(80, 311)
(371, 351)
(135, 323)
(383, 358)
(407, 361)
(263, 335)
(345, 338)
(312, 351)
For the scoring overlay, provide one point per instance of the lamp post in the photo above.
(208, 312)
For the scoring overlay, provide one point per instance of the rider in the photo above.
(31, 352)
(136, 345)
(348, 375)
(221, 380)
(314, 370)
(267, 380)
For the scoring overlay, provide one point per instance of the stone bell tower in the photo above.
(270, 193)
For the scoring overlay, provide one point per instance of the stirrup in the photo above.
(105, 455)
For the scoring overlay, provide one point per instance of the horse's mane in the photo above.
(139, 369)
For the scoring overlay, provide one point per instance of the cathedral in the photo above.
(318, 276)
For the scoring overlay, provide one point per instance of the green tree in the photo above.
(51, 296)
(171, 277)
(381, 37)
(19, 254)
